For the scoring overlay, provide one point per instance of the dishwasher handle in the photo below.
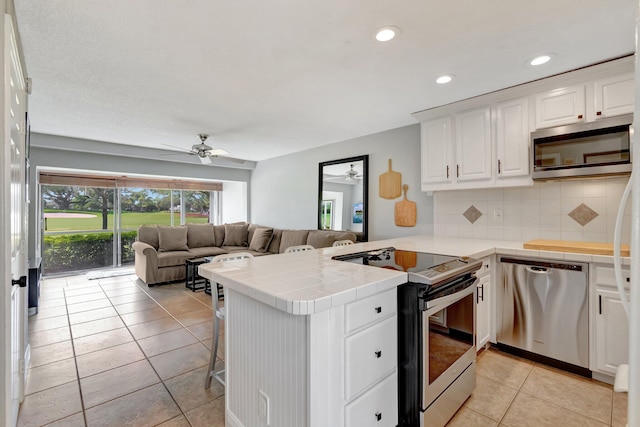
(538, 270)
(543, 264)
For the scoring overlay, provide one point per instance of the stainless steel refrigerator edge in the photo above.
(543, 308)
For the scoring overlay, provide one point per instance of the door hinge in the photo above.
(22, 282)
(28, 85)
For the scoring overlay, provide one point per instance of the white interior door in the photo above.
(14, 227)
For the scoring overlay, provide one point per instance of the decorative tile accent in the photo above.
(472, 214)
(583, 214)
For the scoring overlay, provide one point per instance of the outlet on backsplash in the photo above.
(497, 216)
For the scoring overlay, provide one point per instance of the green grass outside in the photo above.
(130, 220)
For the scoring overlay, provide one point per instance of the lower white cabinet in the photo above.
(609, 322)
(484, 310)
(612, 332)
(374, 408)
(368, 356)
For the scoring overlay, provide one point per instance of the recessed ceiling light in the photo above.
(444, 79)
(386, 34)
(539, 60)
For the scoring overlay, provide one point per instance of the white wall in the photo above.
(284, 190)
(538, 212)
(234, 202)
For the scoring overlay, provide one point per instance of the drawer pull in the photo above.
(378, 416)
(378, 354)
(378, 309)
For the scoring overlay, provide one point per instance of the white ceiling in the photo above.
(267, 78)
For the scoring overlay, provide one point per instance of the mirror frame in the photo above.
(365, 189)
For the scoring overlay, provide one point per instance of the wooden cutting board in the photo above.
(405, 214)
(592, 248)
(390, 184)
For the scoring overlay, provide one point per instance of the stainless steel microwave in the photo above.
(596, 148)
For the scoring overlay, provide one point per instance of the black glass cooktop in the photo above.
(422, 267)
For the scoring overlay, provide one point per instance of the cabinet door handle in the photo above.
(378, 354)
(499, 166)
(580, 116)
(378, 416)
(598, 113)
(447, 171)
(457, 171)
(480, 296)
(378, 310)
(599, 304)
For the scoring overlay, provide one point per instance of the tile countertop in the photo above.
(304, 283)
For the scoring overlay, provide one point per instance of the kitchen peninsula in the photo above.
(298, 327)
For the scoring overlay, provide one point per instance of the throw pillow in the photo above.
(149, 234)
(235, 235)
(261, 239)
(200, 235)
(172, 238)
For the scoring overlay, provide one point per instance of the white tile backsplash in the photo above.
(537, 212)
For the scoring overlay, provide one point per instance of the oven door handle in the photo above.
(438, 304)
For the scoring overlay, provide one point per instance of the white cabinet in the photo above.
(436, 150)
(612, 332)
(473, 151)
(367, 332)
(610, 326)
(593, 100)
(484, 304)
(512, 138)
(376, 408)
(459, 150)
(614, 96)
(560, 106)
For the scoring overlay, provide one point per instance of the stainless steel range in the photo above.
(436, 332)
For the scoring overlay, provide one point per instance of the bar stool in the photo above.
(219, 315)
(346, 242)
(299, 248)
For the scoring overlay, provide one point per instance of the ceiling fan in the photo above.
(350, 175)
(205, 152)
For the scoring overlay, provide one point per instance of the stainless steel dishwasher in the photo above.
(542, 308)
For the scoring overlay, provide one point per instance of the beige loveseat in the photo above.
(161, 251)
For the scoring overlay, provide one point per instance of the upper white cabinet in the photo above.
(597, 99)
(560, 106)
(477, 148)
(512, 138)
(614, 96)
(436, 150)
(473, 151)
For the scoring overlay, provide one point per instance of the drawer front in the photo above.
(378, 407)
(369, 355)
(607, 276)
(369, 310)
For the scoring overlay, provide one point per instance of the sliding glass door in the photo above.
(93, 227)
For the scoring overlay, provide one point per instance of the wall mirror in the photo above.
(342, 195)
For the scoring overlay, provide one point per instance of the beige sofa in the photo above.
(161, 251)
